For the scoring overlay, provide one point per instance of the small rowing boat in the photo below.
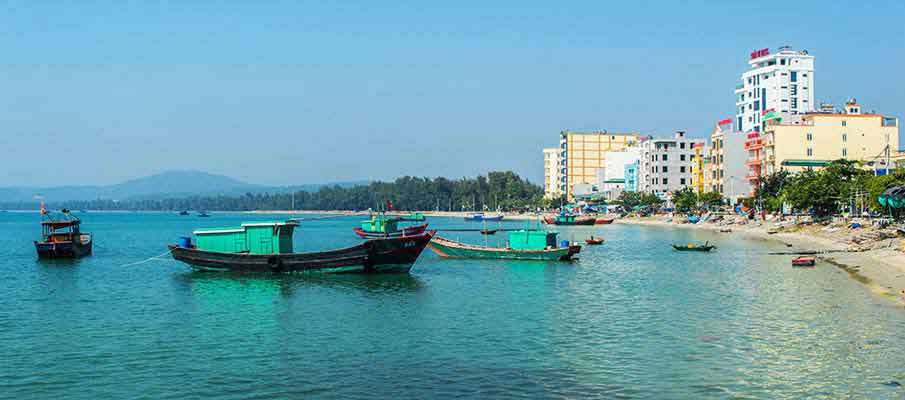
(804, 261)
(604, 221)
(694, 247)
(594, 241)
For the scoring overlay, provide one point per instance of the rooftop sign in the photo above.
(726, 121)
(760, 53)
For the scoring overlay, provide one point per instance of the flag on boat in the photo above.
(43, 210)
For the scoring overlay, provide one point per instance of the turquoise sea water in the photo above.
(630, 319)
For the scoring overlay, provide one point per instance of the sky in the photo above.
(292, 92)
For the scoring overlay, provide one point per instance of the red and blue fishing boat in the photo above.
(267, 247)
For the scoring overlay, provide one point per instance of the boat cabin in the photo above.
(60, 230)
(251, 237)
(532, 240)
(380, 223)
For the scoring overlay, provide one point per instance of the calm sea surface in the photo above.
(630, 319)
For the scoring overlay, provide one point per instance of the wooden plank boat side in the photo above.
(453, 249)
(379, 255)
(64, 249)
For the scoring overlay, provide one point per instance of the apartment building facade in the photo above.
(665, 165)
(582, 155)
(776, 85)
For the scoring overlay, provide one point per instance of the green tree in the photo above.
(685, 199)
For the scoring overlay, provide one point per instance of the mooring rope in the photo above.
(147, 259)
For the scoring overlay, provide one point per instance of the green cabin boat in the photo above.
(523, 245)
(382, 226)
(273, 237)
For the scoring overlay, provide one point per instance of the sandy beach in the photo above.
(877, 263)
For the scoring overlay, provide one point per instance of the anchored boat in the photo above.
(570, 219)
(267, 247)
(62, 238)
(694, 247)
(381, 226)
(523, 245)
(479, 217)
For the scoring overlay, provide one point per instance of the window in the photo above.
(721, 158)
(794, 77)
(721, 174)
(844, 152)
(681, 157)
(665, 169)
(664, 181)
(843, 122)
(682, 145)
(844, 138)
(682, 181)
(810, 152)
(664, 157)
(810, 136)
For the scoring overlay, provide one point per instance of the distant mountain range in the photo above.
(170, 184)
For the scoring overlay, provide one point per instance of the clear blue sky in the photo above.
(284, 92)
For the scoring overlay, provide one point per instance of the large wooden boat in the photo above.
(381, 226)
(392, 255)
(62, 238)
(523, 245)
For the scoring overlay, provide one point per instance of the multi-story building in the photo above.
(581, 155)
(552, 166)
(613, 179)
(776, 85)
(699, 162)
(631, 177)
(665, 164)
(728, 158)
(816, 139)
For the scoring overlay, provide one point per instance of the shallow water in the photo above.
(630, 319)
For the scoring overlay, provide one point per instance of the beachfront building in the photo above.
(816, 139)
(699, 164)
(581, 155)
(631, 177)
(728, 157)
(613, 179)
(552, 167)
(665, 164)
(776, 85)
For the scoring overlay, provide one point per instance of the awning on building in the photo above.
(805, 163)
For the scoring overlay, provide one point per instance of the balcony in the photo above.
(754, 144)
(754, 162)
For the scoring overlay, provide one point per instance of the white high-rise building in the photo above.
(782, 81)
(552, 173)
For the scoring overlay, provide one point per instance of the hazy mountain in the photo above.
(170, 184)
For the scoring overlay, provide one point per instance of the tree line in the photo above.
(497, 190)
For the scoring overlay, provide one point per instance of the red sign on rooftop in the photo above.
(760, 53)
(753, 135)
(726, 121)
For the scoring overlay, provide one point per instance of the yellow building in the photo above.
(699, 167)
(583, 154)
(820, 138)
(551, 173)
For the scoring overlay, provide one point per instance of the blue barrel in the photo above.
(185, 242)
(564, 243)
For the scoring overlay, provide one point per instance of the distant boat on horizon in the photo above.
(184, 212)
(203, 214)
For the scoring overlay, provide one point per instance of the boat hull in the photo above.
(392, 255)
(410, 231)
(804, 261)
(67, 249)
(603, 221)
(554, 221)
(698, 248)
(452, 249)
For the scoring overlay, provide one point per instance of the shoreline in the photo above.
(880, 270)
